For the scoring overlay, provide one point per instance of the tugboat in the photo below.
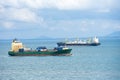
(89, 42)
(19, 50)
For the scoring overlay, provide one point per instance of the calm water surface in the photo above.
(87, 62)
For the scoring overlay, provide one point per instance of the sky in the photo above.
(29, 19)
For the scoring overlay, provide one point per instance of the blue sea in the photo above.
(87, 62)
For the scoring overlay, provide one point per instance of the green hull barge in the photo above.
(19, 50)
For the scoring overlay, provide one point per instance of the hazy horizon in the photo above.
(27, 19)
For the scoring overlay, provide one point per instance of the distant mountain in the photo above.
(44, 37)
(115, 34)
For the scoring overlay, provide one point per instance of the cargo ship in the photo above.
(89, 42)
(19, 50)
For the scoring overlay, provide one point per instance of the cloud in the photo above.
(2, 9)
(11, 18)
(63, 4)
(103, 10)
(8, 25)
(14, 10)
(60, 17)
(21, 14)
(86, 26)
(10, 3)
(24, 15)
(28, 10)
(72, 4)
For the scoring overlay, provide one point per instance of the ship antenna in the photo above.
(14, 39)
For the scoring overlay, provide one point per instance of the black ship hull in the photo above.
(77, 44)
